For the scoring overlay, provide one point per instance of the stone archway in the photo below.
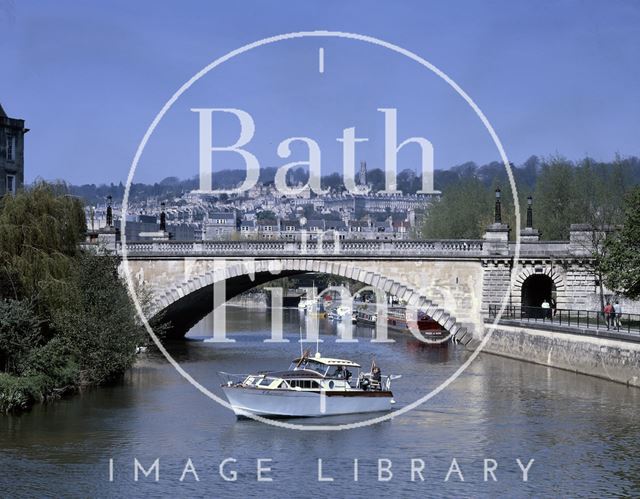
(192, 299)
(537, 283)
(536, 289)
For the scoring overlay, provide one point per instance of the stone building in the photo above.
(12, 132)
(220, 226)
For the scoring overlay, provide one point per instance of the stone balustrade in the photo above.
(352, 248)
(458, 248)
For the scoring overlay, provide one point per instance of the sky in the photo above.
(552, 77)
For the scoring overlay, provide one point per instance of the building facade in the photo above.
(12, 132)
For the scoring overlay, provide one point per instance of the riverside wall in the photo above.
(605, 357)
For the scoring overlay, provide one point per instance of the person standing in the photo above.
(546, 313)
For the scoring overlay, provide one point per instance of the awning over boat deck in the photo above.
(329, 362)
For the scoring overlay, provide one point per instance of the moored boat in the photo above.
(396, 319)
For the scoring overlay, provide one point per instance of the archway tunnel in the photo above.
(536, 290)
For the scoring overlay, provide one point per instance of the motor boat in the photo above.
(342, 313)
(311, 387)
(306, 304)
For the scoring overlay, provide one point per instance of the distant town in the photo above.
(263, 212)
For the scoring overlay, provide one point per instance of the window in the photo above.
(11, 184)
(11, 147)
(304, 384)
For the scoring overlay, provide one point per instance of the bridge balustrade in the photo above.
(371, 248)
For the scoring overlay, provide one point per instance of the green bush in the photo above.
(66, 319)
(20, 332)
(18, 393)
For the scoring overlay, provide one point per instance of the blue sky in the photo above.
(88, 78)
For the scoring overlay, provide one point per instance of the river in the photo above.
(583, 433)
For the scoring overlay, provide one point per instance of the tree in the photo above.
(40, 232)
(464, 211)
(19, 333)
(621, 267)
(555, 199)
(66, 318)
(94, 316)
(266, 216)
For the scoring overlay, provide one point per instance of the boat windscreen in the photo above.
(311, 365)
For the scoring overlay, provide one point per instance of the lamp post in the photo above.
(529, 212)
(498, 209)
(109, 211)
(163, 219)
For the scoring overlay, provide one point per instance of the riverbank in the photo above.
(606, 358)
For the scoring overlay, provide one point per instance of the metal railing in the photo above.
(578, 319)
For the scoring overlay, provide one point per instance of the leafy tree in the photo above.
(621, 266)
(66, 318)
(19, 333)
(266, 216)
(554, 198)
(96, 319)
(40, 230)
(463, 211)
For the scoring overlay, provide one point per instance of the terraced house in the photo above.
(12, 132)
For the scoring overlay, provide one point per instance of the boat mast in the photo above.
(315, 307)
(301, 353)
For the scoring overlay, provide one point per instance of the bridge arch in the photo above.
(537, 283)
(188, 302)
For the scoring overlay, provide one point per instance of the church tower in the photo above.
(362, 181)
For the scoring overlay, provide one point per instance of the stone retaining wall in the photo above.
(607, 358)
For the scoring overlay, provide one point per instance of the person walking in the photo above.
(608, 314)
(617, 309)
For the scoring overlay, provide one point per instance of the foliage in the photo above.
(564, 193)
(66, 319)
(103, 349)
(19, 393)
(621, 266)
(39, 234)
(461, 212)
(20, 332)
(266, 216)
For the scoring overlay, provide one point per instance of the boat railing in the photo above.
(231, 379)
(372, 384)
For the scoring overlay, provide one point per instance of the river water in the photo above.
(583, 433)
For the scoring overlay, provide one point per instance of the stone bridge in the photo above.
(453, 281)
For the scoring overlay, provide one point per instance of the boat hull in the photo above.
(287, 403)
